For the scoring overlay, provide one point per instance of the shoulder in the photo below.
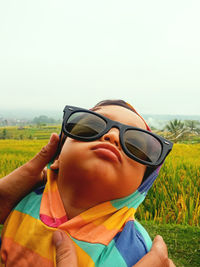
(30, 204)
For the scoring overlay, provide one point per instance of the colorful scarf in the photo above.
(105, 235)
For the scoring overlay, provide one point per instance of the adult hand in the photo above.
(158, 255)
(159, 248)
(65, 250)
(35, 167)
(18, 183)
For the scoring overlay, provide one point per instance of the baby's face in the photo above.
(91, 165)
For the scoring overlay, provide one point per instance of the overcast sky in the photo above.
(54, 53)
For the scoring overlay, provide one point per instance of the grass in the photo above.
(183, 242)
(14, 153)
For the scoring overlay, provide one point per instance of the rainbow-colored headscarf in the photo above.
(105, 235)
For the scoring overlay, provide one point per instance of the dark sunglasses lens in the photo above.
(143, 145)
(84, 124)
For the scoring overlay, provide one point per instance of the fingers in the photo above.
(159, 244)
(171, 264)
(157, 256)
(65, 250)
(44, 175)
(45, 155)
(159, 249)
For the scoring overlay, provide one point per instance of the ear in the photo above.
(55, 165)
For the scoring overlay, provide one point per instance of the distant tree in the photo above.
(193, 126)
(43, 119)
(177, 130)
(21, 137)
(153, 128)
(40, 124)
(30, 137)
(4, 134)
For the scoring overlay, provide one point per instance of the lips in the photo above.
(109, 148)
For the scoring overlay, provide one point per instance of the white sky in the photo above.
(54, 53)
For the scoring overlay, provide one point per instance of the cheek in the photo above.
(133, 174)
(70, 152)
(75, 157)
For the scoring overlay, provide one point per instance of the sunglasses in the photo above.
(138, 144)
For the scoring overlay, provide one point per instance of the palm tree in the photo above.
(193, 125)
(177, 129)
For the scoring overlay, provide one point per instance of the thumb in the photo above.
(65, 250)
(160, 249)
(45, 155)
(158, 243)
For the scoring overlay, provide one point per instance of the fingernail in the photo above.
(159, 237)
(57, 238)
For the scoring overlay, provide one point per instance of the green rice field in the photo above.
(172, 207)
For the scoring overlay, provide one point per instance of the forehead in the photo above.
(122, 115)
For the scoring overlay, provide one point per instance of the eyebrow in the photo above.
(95, 108)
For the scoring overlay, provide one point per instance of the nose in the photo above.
(112, 136)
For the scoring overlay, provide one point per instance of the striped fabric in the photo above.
(105, 235)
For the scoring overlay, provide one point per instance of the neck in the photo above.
(77, 198)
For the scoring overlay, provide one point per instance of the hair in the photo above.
(117, 102)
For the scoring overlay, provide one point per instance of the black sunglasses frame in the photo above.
(166, 146)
